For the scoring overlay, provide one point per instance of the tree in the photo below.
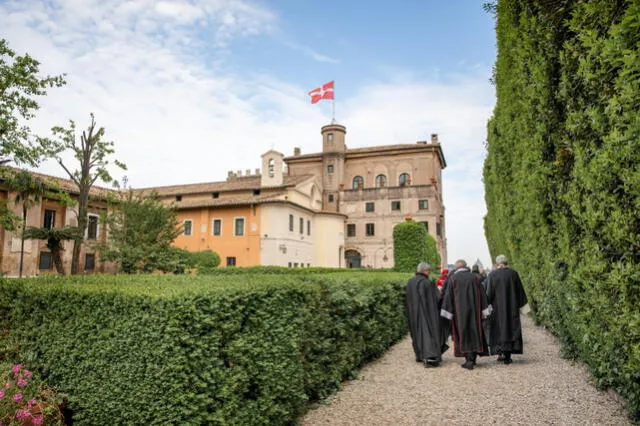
(20, 84)
(92, 154)
(409, 245)
(54, 238)
(141, 231)
(30, 191)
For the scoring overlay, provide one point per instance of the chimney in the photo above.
(296, 151)
(248, 172)
(230, 174)
(257, 172)
(434, 138)
(239, 173)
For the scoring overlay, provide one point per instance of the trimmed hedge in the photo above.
(410, 245)
(245, 349)
(562, 175)
(282, 270)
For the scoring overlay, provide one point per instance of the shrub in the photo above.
(410, 245)
(204, 259)
(229, 349)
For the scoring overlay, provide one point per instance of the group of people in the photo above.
(481, 313)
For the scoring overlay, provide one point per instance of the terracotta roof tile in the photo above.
(66, 185)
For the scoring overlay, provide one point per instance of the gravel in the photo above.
(538, 388)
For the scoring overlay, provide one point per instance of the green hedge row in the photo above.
(562, 175)
(279, 270)
(237, 350)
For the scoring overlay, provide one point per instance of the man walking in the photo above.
(423, 299)
(506, 296)
(465, 304)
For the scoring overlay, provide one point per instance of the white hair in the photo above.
(460, 263)
(423, 266)
(501, 259)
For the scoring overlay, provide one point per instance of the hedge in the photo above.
(411, 246)
(283, 270)
(245, 349)
(562, 175)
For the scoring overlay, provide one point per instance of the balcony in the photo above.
(388, 193)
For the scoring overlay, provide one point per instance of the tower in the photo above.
(271, 168)
(333, 156)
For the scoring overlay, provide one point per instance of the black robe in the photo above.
(465, 304)
(506, 296)
(425, 325)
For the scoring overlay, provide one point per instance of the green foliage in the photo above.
(20, 85)
(278, 270)
(93, 160)
(562, 175)
(241, 349)
(410, 245)
(205, 259)
(433, 256)
(54, 238)
(141, 230)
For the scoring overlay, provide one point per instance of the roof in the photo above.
(66, 185)
(377, 150)
(236, 184)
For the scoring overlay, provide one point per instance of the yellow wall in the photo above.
(246, 248)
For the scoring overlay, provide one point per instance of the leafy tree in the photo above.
(141, 231)
(20, 84)
(29, 191)
(409, 245)
(92, 155)
(54, 238)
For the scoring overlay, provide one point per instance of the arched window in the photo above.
(272, 168)
(404, 179)
(381, 181)
(358, 182)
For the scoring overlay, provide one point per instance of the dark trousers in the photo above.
(506, 354)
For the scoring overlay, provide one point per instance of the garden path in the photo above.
(540, 387)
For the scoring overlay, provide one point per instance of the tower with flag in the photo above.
(326, 91)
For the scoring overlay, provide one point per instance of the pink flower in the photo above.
(31, 403)
(27, 374)
(7, 385)
(21, 382)
(37, 420)
(17, 397)
(16, 369)
(22, 414)
(1, 394)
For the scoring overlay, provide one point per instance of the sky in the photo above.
(190, 89)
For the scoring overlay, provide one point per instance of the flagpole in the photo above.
(333, 104)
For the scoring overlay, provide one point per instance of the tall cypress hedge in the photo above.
(562, 175)
(245, 349)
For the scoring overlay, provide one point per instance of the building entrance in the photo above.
(353, 259)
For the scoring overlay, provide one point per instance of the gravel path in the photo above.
(538, 388)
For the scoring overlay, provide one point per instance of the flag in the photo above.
(324, 92)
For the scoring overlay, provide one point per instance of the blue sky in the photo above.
(179, 85)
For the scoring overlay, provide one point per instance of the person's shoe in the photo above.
(431, 363)
(500, 358)
(507, 361)
(468, 365)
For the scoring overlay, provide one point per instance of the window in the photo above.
(239, 226)
(330, 137)
(330, 168)
(290, 265)
(215, 195)
(371, 229)
(92, 228)
(89, 261)
(231, 261)
(423, 204)
(188, 224)
(426, 226)
(330, 198)
(178, 197)
(256, 192)
(404, 179)
(308, 265)
(308, 227)
(439, 229)
(370, 207)
(351, 230)
(381, 181)
(295, 265)
(272, 168)
(301, 226)
(49, 219)
(358, 182)
(395, 205)
(291, 222)
(46, 260)
(217, 227)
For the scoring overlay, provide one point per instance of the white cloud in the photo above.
(154, 74)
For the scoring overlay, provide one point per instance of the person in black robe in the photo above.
(425, 325)
(506, 296)
(465, 305)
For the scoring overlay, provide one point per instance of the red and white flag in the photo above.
(324, 92)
